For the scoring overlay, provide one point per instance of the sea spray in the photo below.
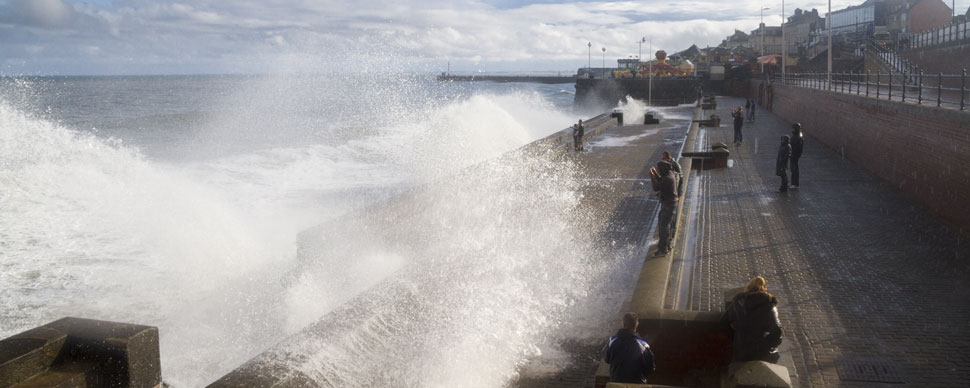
(495, 260)
(117, 223)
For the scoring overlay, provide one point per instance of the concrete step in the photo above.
(72, 375)
(28, 354)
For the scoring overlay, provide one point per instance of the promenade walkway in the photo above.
(864, 276)
(616, 164)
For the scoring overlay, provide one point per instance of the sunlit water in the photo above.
(176, 202)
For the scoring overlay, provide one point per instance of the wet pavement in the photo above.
(616, 162)
(872, 288)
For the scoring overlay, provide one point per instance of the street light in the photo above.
(828, 22)
(604, 62)
(784, 43)
(589, 59)
(650, 70)
(639, 55)
(763, 36)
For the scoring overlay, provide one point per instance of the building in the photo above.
(798, 30)
(926, 15)
(770, 42)
(738, 39)
(857, 18)
(628, 63)
(899, 16)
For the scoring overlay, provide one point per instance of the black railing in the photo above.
(916, 88)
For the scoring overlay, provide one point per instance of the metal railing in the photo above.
(945, 34)
(891, 58)
(919, 88)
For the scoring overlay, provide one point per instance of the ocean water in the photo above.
(176, 202)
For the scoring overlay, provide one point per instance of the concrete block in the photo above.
(757, 374)
(28, 354)
(127, 354)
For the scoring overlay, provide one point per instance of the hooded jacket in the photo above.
(630, 358)
(757, 330)
(784, 153)
(797, 142)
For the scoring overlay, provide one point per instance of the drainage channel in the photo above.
(681, 282)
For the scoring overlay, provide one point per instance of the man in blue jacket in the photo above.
(629, 356)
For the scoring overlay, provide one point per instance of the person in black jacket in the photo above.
(753, 316)
(754, 106)
(738, 114)
(797, 142)
(629, 355)
(665, 183)
(781, 164)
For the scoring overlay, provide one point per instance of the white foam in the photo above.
(91, 228)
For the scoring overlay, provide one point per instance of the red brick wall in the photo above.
(922, 151)
(929, 14)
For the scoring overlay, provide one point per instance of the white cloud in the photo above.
(257, 35)
(42, 12)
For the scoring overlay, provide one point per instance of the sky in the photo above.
(103, 37)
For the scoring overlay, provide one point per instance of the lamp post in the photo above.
(604, 62)
(640, 49)
(828, 22)
(763, 36)
(650, 70)
(639, 55)
(589, 59)
(784, 42)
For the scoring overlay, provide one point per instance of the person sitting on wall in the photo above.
(753, 316)
(629, 355)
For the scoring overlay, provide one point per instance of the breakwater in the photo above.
(510, 78)
(518, 205)
(605, 93)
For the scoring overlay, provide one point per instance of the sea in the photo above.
(176, 202)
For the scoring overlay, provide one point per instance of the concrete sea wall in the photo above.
(920, 150)
(605, 93)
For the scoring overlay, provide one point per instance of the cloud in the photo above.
(138, 36)
(50, 13)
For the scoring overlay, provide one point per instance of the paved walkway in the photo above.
(863, 274)
(616, 162)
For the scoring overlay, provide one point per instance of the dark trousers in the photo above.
(737, 134)
(578, 142)
(666, 216)
(794, 171)
(784, 181)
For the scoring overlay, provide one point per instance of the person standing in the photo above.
(753, 316)
(781, 163)
(751, 111)
(797, 142)
(665, 183)
(578, 132)
(675, 167)
(629, 355)
(738, 114)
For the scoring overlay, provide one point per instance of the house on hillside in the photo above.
(767, 39)
(915, 16)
